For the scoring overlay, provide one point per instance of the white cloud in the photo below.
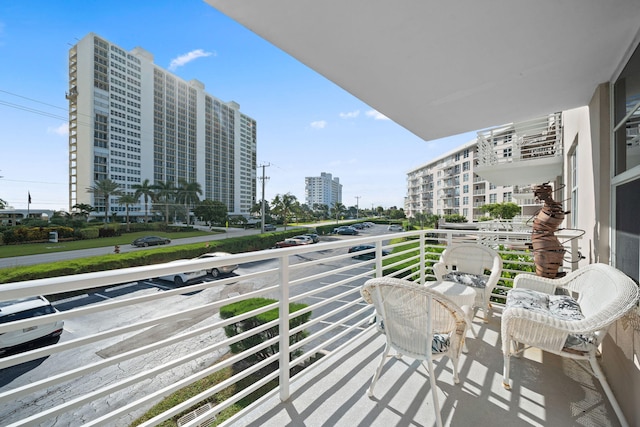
(320, 124)
(62, 130)
(376, 115)
(188, 57)
(350, 114)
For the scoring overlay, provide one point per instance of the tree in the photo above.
(321, 210)
(212, 212)
(83, 210)
(164, 193)
(127, 200)
(3, 204)
(188, 194)
(145, 189)
(337, 209)
(284, 207)
(506, 210)
(105, 188)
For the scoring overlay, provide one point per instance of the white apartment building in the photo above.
(131, 120)
(322, 189)
(449, 185)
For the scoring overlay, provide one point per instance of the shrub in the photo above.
(87, 233)
(241, 307)
(108, 232)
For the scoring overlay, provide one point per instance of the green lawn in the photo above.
(125, 239)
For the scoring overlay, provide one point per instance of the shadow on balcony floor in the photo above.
(546, 390)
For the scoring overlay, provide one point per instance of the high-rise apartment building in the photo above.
(322, 189)
(131, 120)
(448, 185)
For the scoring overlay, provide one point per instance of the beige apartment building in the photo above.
(131, 120)
(449, 185)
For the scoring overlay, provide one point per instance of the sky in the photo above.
(306, 124)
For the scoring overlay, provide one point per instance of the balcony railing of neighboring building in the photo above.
(538, 141)
(142, 370)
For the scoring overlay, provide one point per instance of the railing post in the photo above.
(283, 319)
(378, 258)
(422, 265)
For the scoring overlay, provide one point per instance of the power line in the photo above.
(32, 100)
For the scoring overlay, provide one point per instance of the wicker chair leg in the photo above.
(377, 374)
(505, 372)
(597, 371)
(434, 392)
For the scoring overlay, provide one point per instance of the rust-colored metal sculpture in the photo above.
(548, 253)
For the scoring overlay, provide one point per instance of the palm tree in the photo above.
(337, 209)
(187, 194)
(284, 206)
(127, 200)
(84, 210)
(3, 204)
(145, 189)
(105, 188)
(165, 192)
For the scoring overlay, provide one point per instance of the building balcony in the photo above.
(132, 343)
(521, 153)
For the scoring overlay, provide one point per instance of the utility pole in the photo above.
(357, 205)
(263, 178)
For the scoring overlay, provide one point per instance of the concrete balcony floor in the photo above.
(547, 390)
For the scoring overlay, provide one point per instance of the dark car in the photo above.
(150, 241)
(367, 255)
(269, 227)
(345, 229)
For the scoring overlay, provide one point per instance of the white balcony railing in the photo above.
(162, 339)
(537, 141)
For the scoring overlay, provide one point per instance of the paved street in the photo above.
(59, 256)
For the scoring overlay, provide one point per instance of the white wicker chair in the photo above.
(604, 294)
(474, 260)
(418, 322)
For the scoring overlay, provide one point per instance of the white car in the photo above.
(180, 279)
(26, 308)
(225, 269)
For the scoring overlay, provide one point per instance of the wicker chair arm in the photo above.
(536, 283)
(440, 270)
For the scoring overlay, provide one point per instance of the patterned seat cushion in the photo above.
(440, 343)
(560, 306)
(474, 280)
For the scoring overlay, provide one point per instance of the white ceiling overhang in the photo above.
(440, 68)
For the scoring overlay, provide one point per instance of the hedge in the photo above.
(142, 257)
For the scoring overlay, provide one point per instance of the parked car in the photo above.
(26, 308)
(269, 227)
(150, 241)
(288, 243)
(368, 255)
(179, 279)
(217, 271)
(313, 236)
(358, 226)
(303, 239)
(395, 227)
(345, 229)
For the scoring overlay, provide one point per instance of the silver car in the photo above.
(225, 269)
